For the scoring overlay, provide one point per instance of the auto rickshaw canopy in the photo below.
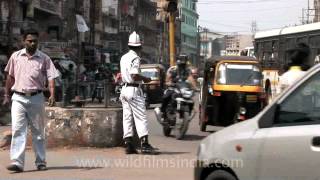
(212, 68)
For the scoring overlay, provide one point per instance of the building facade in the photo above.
(110, 23)
(189, 23)
(147, 28)
(211, 44)
(235, 43)
(16, 15)
(317, 11)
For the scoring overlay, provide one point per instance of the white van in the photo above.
(282, 142)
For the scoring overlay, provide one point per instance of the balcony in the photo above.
(52, 7)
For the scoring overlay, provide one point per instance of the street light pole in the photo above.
(199, 46)
(172, 39)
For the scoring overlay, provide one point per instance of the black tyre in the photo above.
(220, 175)
(185, 124)
(203, 126)
(166, 131)
(147, 104)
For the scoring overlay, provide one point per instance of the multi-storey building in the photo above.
(44, 15)
(110, 23)
(211, 44)
(147, 28)
(189, 35)
(236, 43)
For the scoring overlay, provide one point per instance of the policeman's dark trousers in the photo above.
(134, 110)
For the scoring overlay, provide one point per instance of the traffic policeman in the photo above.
(132, 98)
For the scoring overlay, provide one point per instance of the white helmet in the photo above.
(134, 39)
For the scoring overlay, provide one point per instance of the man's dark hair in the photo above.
(30, 32)
(299, 54)
(135, 48)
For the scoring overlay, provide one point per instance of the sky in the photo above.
(229, 16)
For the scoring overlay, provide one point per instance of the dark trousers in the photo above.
(165, 100)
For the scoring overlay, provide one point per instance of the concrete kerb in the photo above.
(90, 127)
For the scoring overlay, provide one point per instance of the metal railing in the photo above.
(88, 94)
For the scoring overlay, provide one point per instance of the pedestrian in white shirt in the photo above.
(298, 57)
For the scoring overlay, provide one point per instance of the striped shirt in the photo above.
(30, 72)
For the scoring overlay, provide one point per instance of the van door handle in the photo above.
(316, 141)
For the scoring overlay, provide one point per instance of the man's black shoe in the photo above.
(130, 149)
(15, 168)
(146, 148)
(42, 167)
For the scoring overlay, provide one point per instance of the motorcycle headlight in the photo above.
(242, 110)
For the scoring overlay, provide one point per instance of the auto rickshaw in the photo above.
(154, 89)
(232, 90)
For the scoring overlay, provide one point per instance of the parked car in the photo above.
(281, 142)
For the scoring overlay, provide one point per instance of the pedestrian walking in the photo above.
(27, 71)
(132, 98)
(296, 68)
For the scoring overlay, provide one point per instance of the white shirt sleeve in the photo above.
(135, 65)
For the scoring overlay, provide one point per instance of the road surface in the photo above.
(175, 161)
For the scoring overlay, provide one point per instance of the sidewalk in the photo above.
(102, 164)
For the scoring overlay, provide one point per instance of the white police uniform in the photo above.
(133, 101)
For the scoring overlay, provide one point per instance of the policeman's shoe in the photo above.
(146, 148)
(130, 148)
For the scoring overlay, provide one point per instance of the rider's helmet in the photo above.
(182, 60)
(194, 72)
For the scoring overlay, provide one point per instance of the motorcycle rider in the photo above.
(180, 72)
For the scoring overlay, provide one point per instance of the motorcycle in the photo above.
(179, 111)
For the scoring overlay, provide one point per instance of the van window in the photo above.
(302, 107)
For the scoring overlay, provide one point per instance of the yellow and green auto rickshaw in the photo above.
(154, 89)
(231, 91)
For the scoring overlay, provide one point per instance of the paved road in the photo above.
(175, 161)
